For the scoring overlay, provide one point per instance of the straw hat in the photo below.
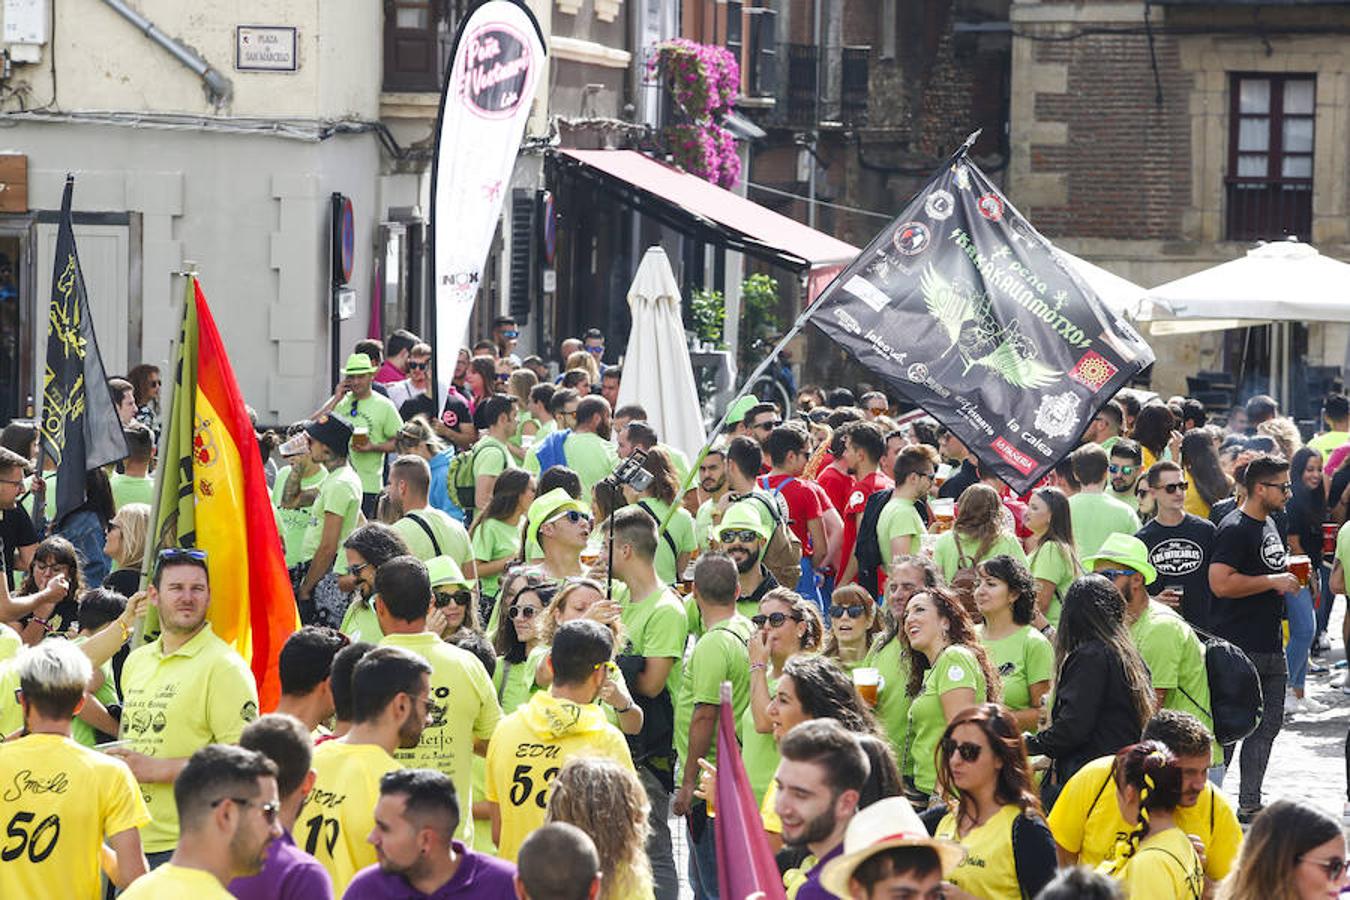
(887, 823)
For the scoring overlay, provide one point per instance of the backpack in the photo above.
(459, 477)
(966, 579)
(783, 553)
(867, 549)
(550, 450)
(1235, 700)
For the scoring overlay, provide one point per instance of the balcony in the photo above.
(841, 99)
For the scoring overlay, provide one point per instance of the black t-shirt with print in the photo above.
(1250, 547)
(1180, 553)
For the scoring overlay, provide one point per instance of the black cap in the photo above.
(332, 432)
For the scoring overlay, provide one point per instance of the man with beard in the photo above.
(366, 549)
(1125, 470)
(333, 516)
(742, 537)
(819, 782)
(226, 801)
(712, 485)
(427, 531)
(416, 820)
(185, 690)
(586, 448)
(464, 710)
(391, 701)
(1248, 578)
(1105, 427)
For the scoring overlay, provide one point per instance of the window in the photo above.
(1270, 157)
(418, 36)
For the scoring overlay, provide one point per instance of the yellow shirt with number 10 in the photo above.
(339, 813)
(58, 802)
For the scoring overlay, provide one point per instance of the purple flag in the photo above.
(745, 865)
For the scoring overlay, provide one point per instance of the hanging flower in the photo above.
(703, 82)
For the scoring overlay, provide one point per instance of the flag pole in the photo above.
(763, 367)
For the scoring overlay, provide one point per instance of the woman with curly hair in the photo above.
(855, 622)
(992, 808)
(1024, 658)
(608, 802)
(1157, 858)
(1103, 695)
(907, 576)
(786, 626)
(949, 671)
(1284, 431)
(1293, 851)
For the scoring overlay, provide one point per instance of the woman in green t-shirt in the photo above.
(907, 576)
(1053, 560)
(854, 624)
(495, 534)
(983, 528)
(519, 385)
(1025, 660)
(520, 608)
(949, 671)
(787, 626)
(676, 541)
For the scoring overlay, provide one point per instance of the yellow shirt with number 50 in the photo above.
(58, 802)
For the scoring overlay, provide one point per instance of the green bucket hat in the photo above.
(743, 516)
(1127, 551)
(444, 572)
(358, 364)
(736, 414)
(549, 506)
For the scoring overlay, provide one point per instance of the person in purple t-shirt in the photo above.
(288, 873)
(820, 779)
(415, 821)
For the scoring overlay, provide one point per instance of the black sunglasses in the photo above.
(1287, 486)
(419, 365)
(853, 610)
(774, 619)
(1173, 488)
(769, 425)
(969, 752)
(459, 598)
(737, 536)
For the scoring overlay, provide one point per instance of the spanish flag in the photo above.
(211, 494)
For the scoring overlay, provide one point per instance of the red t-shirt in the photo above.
(837, 486)
(388, 373)
(803, 503)
(857, 501)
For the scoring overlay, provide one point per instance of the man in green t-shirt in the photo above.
(657, 628)
(719, 655)
(427, 531)
(588, 450)
(134, 484)
(900, 528)
(1174, 655)
(491, 456)
(712, 484)
(1106, 427)
(375, 424)
(1336, 415)
(1094, 514)
(334, 515)
(1126, 470)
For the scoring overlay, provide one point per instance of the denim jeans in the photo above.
(86, 532)
(1328, 600)
(702, 853)
(1270, 668)
(1298, 607)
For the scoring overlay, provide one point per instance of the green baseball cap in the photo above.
(358, 364)
(444, 572)
(548, 507)
(736, 414)
(1124, 550)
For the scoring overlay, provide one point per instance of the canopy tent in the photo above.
(657, 374)
(1120, 295)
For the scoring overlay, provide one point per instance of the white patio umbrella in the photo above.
(1120, 295)
(657, 373)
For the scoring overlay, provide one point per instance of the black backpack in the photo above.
(867, 549)
(1235, 699)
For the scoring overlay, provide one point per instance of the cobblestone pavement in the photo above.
(1308, 760)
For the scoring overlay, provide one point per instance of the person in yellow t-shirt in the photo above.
(534, 742)
(185, 690)
(228, 814)
(464, 709)
(1087, 821)
(1156, 858)
(62, 801)
(391, 700)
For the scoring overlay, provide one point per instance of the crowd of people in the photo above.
(520, 607)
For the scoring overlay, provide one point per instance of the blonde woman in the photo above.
(519, 385)
(607, 802)
(418, 438)
(1285, 433)
(583, 360)
(125, 545)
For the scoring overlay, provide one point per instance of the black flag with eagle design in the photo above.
(965, 309)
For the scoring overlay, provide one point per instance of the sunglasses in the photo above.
(1116, 573)
(419, 366)
(768, 426)
(853, 611)
(459, 598)
(737, 536)
(598, 351)
(522, 612)
(511, 335)
(269, 810)
(969, 752)
(357, 568)
(1287, 486)
(774, 620)
(355, 407)
(1120, 470)
(1334, 868)
(172, 555)
(572, 516)
(503, 376)
(1173, 488)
